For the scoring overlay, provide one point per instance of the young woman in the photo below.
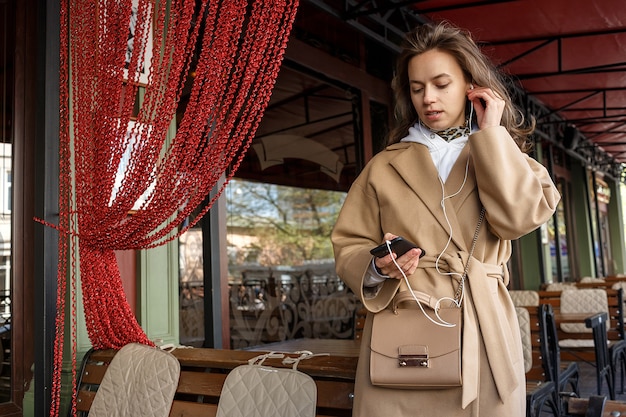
(458, 146)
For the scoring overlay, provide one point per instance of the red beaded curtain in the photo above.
(113, 163)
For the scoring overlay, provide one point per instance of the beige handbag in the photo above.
(408, 350)
(419, 347)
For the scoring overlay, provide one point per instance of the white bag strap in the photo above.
(286, 360)
(304, 354)
(422, 298)
(258, 360)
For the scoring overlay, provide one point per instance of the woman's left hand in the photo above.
(407, 262)
(488, 106)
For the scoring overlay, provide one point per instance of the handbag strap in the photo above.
(422, 297)
(459, 291)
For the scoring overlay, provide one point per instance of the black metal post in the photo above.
(46, 201)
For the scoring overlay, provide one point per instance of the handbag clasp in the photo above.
(413, 356)
(420, 361)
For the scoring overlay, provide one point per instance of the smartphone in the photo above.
(399, 246)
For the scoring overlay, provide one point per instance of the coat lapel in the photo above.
(416, 168)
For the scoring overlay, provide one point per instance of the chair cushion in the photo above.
(576, 343)
(523, 317)
(524, 297)
(140, 381)
(263, 391)
(588, 301)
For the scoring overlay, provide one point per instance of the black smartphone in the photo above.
(399, 246)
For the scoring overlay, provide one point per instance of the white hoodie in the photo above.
(444, 153)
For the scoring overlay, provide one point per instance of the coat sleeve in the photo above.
(356, 231)
(516, 190)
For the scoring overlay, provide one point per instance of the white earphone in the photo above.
(471, 86)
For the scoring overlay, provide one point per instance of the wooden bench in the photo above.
(579, 285)
(203, 372)
(615, 278)
(596, 284)
(359, 323)
(607, 283)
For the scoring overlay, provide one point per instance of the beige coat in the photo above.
(399, 192)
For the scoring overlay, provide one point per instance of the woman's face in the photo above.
(438, 89)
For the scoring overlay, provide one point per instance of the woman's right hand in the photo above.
(408, 262)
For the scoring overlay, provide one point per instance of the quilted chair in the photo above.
(538, 393)
(564, 374)
(523, 298)
(255, 390)
(140, 381)
(589, 301)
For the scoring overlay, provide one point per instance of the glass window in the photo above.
(557, 236)
(191, 280)
(563, 252)
(594, 216)
(6, 144)
(280, 210)
(280, 264)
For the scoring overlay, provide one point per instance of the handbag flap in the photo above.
(413, 350)
(411, 330)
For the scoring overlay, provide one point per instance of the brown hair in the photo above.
(476, 67)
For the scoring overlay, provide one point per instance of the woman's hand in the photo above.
(488, 106)
(408, 262)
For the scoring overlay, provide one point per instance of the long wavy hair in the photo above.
(476, 67)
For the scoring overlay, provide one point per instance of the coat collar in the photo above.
(416, 168)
